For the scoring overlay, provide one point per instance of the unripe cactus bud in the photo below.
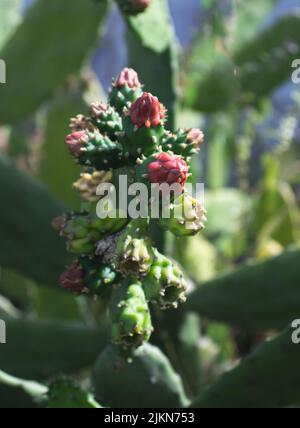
(106, 119)
(165, 283)
(73, 279)
(89, 276)
(82, 232)
(128, 77)
(98, 277)
(87, 184)
(167, 168)
(133, 7)
(187, 216)
(184, 142)
(134, 252)
(131, 320)
(76, 141)
(81, 123)
(125, 90)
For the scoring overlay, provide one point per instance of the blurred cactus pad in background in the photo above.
(191, 311)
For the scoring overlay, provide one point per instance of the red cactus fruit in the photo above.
(75, 142)
(168, 168)
(147, 111)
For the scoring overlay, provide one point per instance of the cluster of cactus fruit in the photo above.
(115, 255)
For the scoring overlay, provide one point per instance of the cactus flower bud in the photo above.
(184, 142)
(73, 279)
(134, 252)
(187, 216)
(147, 111)
(125, 90)
(168, 168)
(76, 141)
(165, 283)
(128, 77)
(196, 137)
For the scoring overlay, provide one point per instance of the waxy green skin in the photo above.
(122, 98)
(83, 231)
(140, 141)
(99, 278)
(101, 153)
(179, 144)
(108, 122)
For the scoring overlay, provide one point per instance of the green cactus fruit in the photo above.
(131, 320)
(145, 380)
(184, 142)
(100, 152)
(137, 142)
(106, 119)
(125, 90)
(83, 231)
(98, 277)
(165, 283)
(133, 7)
(143, 127)
(187, 216)
(134, 252)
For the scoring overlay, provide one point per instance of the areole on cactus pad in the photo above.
(116, 256)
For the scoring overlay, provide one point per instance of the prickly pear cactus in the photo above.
(115, 255)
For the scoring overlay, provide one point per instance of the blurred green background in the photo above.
(223, 66)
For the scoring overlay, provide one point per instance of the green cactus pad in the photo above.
(146, 380)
